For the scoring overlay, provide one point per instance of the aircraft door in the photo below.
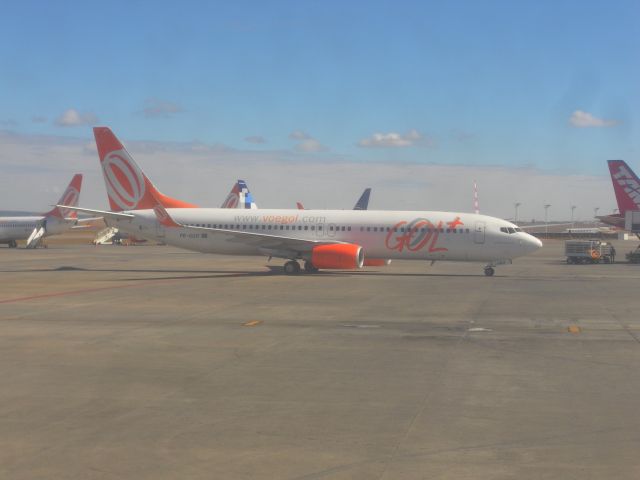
(479, 232)
(320, 230)
(331, 230)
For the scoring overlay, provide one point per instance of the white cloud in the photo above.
(255, 139)
(310, 145)
(156, 108)
(306, 143)
(73, 118)
(395, 140)
(203, 173)
(299, 135)
(582, 119)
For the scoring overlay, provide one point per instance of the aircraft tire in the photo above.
(292, 267)
(489, 271)
(310, 267)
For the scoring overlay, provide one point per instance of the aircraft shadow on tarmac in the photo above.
(271, 270)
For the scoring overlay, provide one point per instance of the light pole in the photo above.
(546, 224)
(515, 219)
(595, 214)
(573, 207)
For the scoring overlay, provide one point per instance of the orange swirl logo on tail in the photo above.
(125, 183)
(69, 198)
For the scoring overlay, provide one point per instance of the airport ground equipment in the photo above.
(105, 236)
(634, 256)
(588, 251)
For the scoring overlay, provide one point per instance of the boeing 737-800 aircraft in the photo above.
(323, 239)
(34, 228)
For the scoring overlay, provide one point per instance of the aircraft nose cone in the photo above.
(533, 243)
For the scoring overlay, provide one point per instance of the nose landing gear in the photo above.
(489, 271)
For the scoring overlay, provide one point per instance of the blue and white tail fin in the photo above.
(363, 201)
(239, 197)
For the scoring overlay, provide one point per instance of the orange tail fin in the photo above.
(128, 188)
(70, 197)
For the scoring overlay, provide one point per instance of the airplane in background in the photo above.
(56, 221)
(626, 186)
(361, 204)
(323, 239)
(239, 197)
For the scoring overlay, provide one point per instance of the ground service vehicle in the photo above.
(588, 251)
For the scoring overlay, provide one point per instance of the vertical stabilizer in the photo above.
(239, 197)
(363, 201)
(626, 186)
(127, 186)
(70, 197)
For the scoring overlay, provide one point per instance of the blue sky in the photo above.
(451, 83)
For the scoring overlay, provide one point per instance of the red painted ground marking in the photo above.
(71, 292)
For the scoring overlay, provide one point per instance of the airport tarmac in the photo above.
(157, 363)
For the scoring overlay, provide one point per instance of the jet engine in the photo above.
(337, 256)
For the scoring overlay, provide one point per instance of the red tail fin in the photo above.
(128, 187)
(70, 197)
(626, 186)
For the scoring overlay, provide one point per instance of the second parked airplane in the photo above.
(34, 228)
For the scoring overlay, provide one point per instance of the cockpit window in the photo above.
(512, 230)
(509, 230)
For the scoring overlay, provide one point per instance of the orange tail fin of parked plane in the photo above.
(127, 186)
(70, 197)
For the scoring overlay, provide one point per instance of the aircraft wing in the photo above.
(102, 213)
(263, 240)
(543, 225)
(275, 245)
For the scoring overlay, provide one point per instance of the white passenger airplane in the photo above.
(323, 239)
(54, 222)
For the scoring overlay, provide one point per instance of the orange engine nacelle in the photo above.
(337, 256)
(376, 262)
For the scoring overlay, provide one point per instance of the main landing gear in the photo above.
(310, 267)
(13, 244)
(489, 271)
(293, 268)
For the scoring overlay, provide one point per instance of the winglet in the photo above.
(299, 205)
(626, 186)
(70, 198)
